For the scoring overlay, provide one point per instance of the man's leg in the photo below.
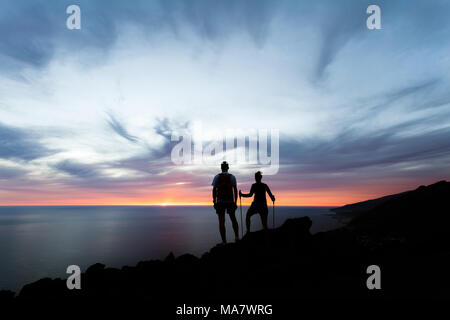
(235, 225)
(223, 234)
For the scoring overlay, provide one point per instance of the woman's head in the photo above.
(258, 176)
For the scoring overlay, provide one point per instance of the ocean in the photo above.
(37, 242)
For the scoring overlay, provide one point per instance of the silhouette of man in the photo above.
(225, 198)
(259, 204)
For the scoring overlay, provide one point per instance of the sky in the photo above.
(87, 116)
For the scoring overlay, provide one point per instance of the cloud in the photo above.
(351, 150)
(76, 169)
(155, 158)
(21, 144)
(408, 91)
(26, 34)
(213, 20)
(165, 128)
(120, 129)
(7, 172)
(152, 161)
(426, 94)
(31, 33)
(417, 135)
(342, 21)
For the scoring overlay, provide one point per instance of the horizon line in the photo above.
(151, 205)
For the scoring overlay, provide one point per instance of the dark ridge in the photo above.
(355, 209)
(425, 210)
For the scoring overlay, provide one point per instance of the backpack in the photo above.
(224, 188)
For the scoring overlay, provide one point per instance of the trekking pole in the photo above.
(242, 226)
(273, 214)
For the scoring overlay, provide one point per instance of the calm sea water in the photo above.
(37, 242)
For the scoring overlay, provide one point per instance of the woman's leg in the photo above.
(250, 212)
(264, 221)
(264, 214)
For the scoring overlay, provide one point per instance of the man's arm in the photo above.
(214, 191)
(234, 183)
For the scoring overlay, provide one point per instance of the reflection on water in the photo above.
(38, 242)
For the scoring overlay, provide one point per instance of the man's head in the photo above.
(258, 176)
(224, 166)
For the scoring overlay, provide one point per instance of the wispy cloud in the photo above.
(76, 169)
(351, 150)
(342, 22)
(120, 129)
(31, 33)
(7, 172)
(21, 144)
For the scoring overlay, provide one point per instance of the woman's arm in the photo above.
(247, 195)
(270, 193)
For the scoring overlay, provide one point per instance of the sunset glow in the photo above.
(192, 197)
(88, 116)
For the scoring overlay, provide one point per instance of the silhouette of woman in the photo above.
(259, 204)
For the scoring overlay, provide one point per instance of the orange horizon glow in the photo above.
(183, 195)
(318, 199)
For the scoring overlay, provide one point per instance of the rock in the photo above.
(46, 287)
(7, 295)
(170, 258)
